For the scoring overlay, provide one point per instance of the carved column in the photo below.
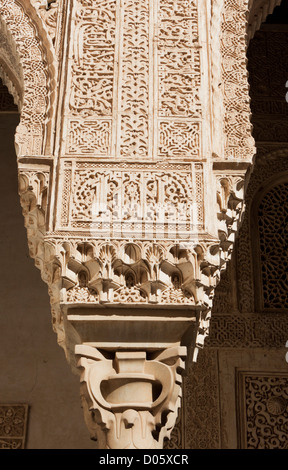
(133, 197)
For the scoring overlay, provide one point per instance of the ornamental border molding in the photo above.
(248, 330)
(37, 59)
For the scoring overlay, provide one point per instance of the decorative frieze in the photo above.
(248, 331)
(142, 201)
(154, 272)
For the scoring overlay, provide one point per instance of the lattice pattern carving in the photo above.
(248, 331)
(272, 223)
(264, 171)
(89, 136)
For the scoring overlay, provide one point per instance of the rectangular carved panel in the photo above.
(13, 426)
(89, 137)
(262, 410)
(142, 200)
(134, 80)
(179, 77)
(91, 78)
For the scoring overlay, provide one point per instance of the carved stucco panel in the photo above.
(146, 79)
(237, 126)
(13, 425)
(262, 406)
(145, 195)
(201, 401)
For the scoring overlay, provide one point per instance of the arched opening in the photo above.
(268, 71)
(251, 328)
(33, 369)
(271, 242)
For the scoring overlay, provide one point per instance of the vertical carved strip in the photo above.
(216, 77)
(239, 143)
(92, 78)
(179, 106)
(199, 194)
(30, 134)
(135, 74)
(66, 193)
(202, 403)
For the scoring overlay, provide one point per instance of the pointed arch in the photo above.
(29, 70)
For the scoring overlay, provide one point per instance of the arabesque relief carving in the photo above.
(130, 203)
(263, 410)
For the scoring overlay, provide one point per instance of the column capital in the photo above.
(130, 398)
